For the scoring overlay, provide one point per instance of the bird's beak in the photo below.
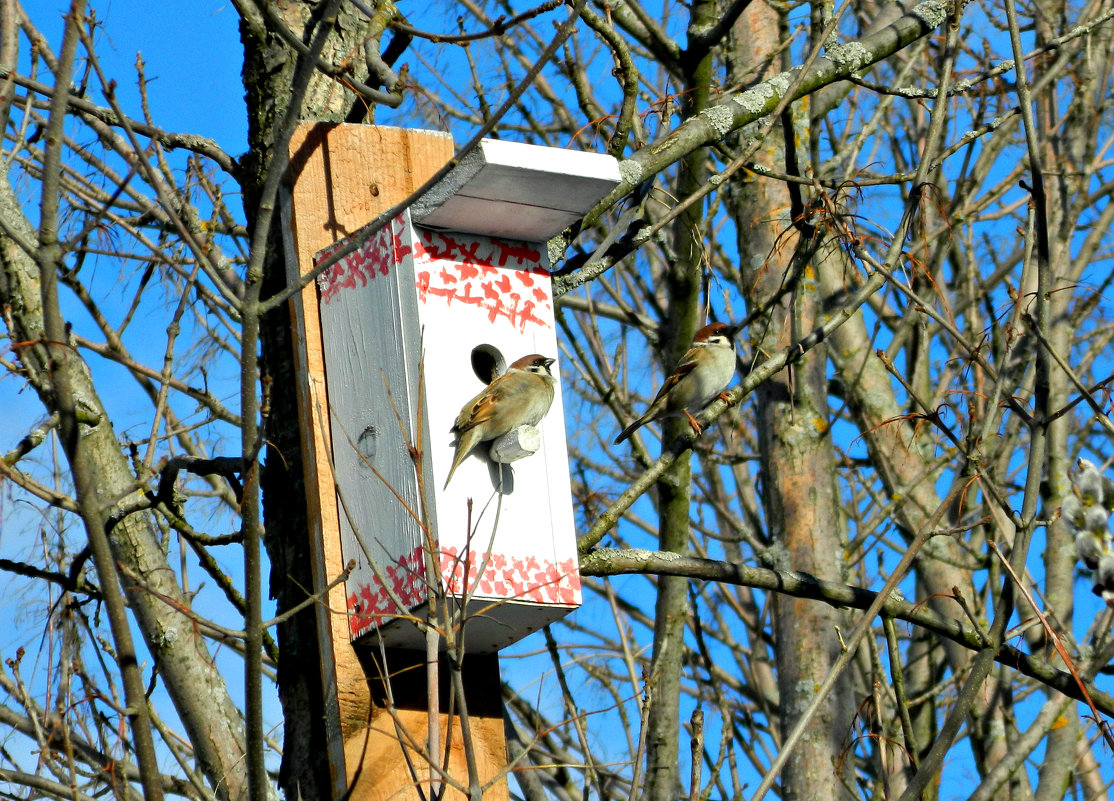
(548, 362)
(732, 330)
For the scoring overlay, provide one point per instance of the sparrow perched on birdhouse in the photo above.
(703, 374)
(521, 396)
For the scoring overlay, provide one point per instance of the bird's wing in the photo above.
(687, 365)
(477, 411)
(482, 407)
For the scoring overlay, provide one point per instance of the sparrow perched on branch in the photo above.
(703, 374)
(521, 396)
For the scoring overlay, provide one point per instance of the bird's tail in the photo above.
(629, 430)
(457, 459)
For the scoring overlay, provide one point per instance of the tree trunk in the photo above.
(269, 67)
(183, 662)
(684, 281)
(797, 465)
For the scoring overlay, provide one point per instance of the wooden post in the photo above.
(341, 176)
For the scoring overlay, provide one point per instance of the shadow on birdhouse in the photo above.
(432, 313)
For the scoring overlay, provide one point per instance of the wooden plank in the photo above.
(340, 177)
(381, 772)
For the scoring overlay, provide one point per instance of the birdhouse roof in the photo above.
(517, 191)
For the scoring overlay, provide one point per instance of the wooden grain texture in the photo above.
(375, 758)
(340, 177)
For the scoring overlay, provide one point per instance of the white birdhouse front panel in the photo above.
(405, 318)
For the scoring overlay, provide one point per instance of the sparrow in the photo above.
(702, 375)
(521, 396)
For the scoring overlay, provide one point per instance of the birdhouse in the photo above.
(415, 323)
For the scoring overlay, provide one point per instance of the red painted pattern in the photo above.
(370, 603)
(500, 278)
(511, 577)
(377, 256)
(502, 577)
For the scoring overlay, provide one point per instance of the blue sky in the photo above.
(193, 58)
